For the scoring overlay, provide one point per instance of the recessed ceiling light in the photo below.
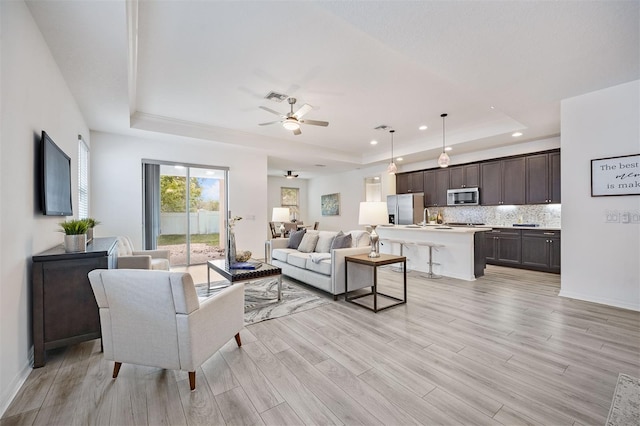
(399, 158)
(423, 127)
(376, 178)
(448, 148)
(492, 107)
(516, 134)
(374, 142)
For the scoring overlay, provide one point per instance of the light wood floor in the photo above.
(501, 350)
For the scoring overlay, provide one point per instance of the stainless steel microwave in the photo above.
(463, 197)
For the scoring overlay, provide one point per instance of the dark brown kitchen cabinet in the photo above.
(436, 184)
(402, 183)
(466, 176)
(543, 178)
(503, 182)
(64, 309)
(407, 183)
(503, 246)
(541, 250)
(416, 180)
(554, 170)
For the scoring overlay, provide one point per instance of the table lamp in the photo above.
(373, 213)
(280, 214)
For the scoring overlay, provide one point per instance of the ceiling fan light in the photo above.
(291, 124)
(444, 160)
(392, 169)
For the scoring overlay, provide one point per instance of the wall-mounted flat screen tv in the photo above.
(56, 179)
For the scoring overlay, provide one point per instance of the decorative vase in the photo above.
(75, 243)
(231, 248)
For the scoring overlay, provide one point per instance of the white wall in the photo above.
(488, 154)
(351, 187)
(116, 175)
(600, 261)
(34, 97)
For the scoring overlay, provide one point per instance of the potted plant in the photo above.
(91, 223)
(75, 238)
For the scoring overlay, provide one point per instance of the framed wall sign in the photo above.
(330, 204)
(615, 176)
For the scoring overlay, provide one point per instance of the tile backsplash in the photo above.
(545, 215)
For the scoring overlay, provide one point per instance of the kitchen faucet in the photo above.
(425, 215)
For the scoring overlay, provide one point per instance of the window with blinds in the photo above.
(83, 179)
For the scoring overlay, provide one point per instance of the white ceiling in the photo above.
(202, 69)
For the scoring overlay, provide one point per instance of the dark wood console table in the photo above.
(64, 307)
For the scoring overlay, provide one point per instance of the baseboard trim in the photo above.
(10, 393)
(602, 301)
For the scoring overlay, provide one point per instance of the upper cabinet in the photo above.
(436, 183)
(543, 178)
(467, 176)
(524, 179)
(402, 183)
(407, 183)
(503, 182)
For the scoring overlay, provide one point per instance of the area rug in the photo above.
(260, 299)
(625, 406)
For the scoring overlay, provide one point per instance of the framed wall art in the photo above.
(330, 204)
(615, 176)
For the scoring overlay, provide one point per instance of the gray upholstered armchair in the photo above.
(155, 318)
(128, 258)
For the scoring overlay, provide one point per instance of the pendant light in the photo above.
(392, 169)
(443, 160)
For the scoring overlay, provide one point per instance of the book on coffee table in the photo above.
(245, 265)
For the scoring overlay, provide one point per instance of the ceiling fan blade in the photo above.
(302, 111)
(272, 111)
(266, 124)
(315, 122)
(297, 132)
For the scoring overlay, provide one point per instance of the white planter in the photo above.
(75, 243)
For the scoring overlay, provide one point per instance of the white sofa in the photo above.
(322, 269)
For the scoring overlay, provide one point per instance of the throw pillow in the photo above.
(295, 238)
(325, 239)
(308, 243)
(341, 241)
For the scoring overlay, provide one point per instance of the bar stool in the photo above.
(402, 245)
(431, 246)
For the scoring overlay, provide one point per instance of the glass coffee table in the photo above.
(264, 270)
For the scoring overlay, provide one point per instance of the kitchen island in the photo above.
(462, 256)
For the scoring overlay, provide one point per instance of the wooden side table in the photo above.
(384, 259)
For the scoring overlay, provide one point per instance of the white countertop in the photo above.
(541, 228)
(437, 228)
(463, 229)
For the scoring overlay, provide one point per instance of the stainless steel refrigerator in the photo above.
(405, 209)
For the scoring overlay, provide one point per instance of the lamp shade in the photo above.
(280, 214)
(373, 213)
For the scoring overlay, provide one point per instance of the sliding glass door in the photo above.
(184, 211)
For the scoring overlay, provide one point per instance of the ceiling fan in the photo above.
(290, 175)
(291, 121)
